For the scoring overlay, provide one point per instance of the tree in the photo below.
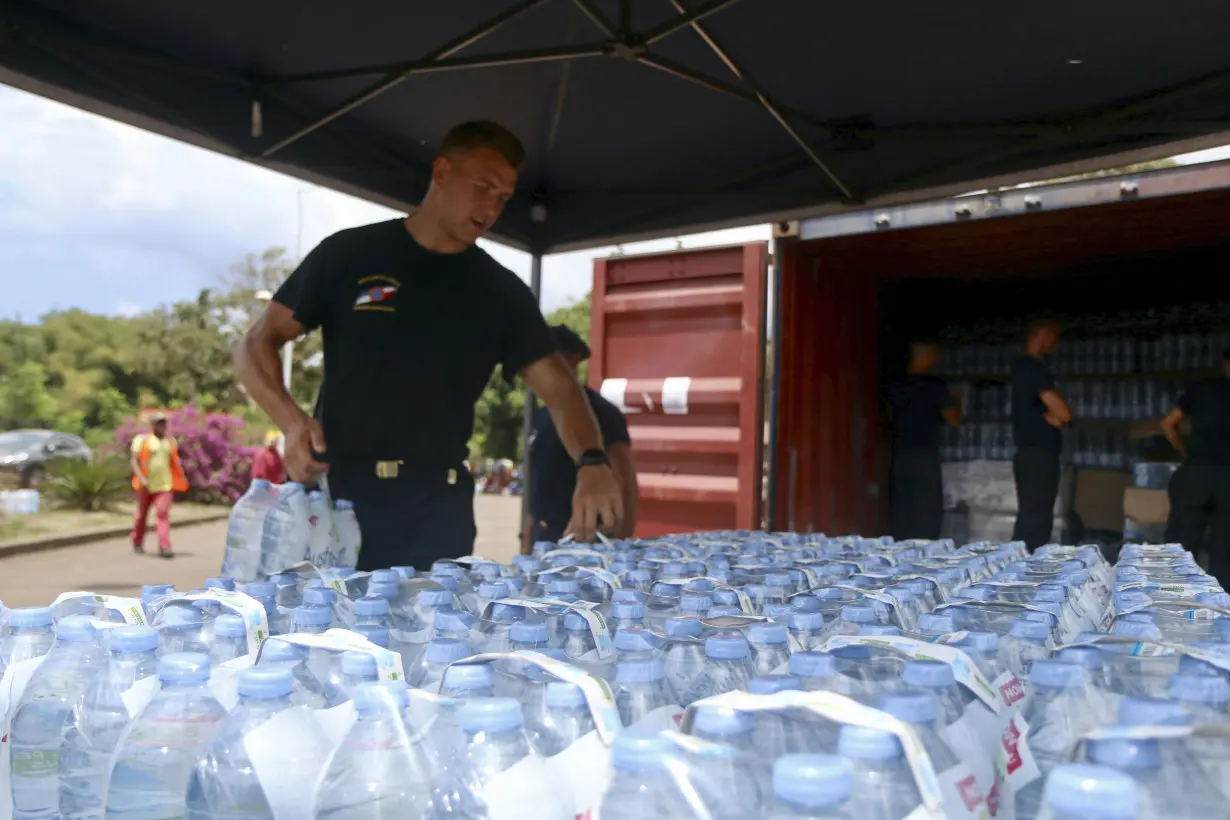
(24, 398)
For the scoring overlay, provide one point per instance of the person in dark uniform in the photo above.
(415, 317)
(1038, 414)
(552, 477)
(1200, 489)
(919, 406)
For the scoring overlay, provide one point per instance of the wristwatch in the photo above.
(593, 458)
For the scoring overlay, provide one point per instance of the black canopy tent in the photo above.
(644, 118)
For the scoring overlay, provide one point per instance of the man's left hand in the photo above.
(597, 497)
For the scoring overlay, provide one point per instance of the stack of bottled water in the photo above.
(711, 675)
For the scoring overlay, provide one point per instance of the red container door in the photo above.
(678, 343)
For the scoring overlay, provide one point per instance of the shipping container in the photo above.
(850, 292)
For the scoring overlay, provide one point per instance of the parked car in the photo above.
(25, 454)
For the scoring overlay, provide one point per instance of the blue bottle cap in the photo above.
(1058, 675)
(220, 582)
(128, 639)
(490, 715)
(928, 674)
(674, 569)
(436, 598)
(150, 592)
(637, 576)
(230, 626)
(1136, 629)
(1087, 656)
(453, 620)
(1136, 710)
(911, 707)
(30, 617)
(467, 677)
(778, 579)
(937, 622)
(806, 621)
(858, 614)
(813, 665)
(506, 613)
(665, 590)
(683, 628)
(573, 622)
(562, 695)
(260, 590)
(265, 682)
(320, 596)
(625, 595)
(446, 650)
(814, 781)
(777, 611)
(770, 634)
(727, 647)
(374, 697)
(879, 630)
(1090, 791)
(385, 589)
(375, 633)
(184, 668)
(372, 606)
(359, 665)
(1125, 754)
(274, 651)
(695, 602)
(443, 579)
(1030, 631)
(635, 639)
(641, 750)
(385, 576)
(976, 593)
(495, 590)
(529, 632)
(1211, 690)
(75, 629)
(721, 722)
(560, 586)
(772, 684)
(805, 603)
(313, 615)
(488, 572)
(865, 743)
(639, 670)
(725, 597)
(627, 611)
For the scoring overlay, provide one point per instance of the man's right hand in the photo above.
(302, 440)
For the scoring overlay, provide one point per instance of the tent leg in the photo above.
(536, 288)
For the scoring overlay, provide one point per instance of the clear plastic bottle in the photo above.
(642, 787)
(224, 785)
(662, 603)
(372, 610)
(982, 648)
(181, 628)
(348, 536)
(312, 620)
(85, 763)
(1083, 791)
(160, 750)
(683, 653)
(357, 668)
(322, 551)
(918, 710)
(426, 674)
(812, 787)
(265, 593)
(578, 640)
(640, 687)
(464, 681)
(695, 604)
(1204, 696)
(382, 770)
(1025, 643)
(626, 614)
(529, 634)
(817, 672)
(727, 668)
(151, 593)
(883, 785)
(244, 532)
(46, 715)
(807, 628)
(635, 640)
(719, 724)
(306, 690)
(379, 635)
(937, 680)
(770, 647)
(854, 617)
(494, 741)
(230, 639)
(567, 719)
(30, 635)
(1171, 790)
(285, 532)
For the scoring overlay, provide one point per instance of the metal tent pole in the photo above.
(536, 288)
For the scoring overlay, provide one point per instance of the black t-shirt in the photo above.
(1207, 404)
(918, 402)
(410, 340)
(553, 476)
(1030, 377)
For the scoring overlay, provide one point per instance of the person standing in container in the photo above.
(552, 479)
(1200, 489)
(406, 358)
(919, 407)
(1038, 415)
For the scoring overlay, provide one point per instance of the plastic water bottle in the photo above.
(223, 582)
(464, 681)
(307, 690)
(817, 672)
(285, 532)
(770, 648)
(683, 653)
(455, 624)
(567, 719)
(312, 620)
(379, 635)
(357, 668)
(494, 740)
(695, 604)
(807, 628)
(578, 640)
(46, 715)
(244, 532)
(528, 634)
(85, 763)
(230, 639)
(381, 770)
(719, 724)
(30, 636)
(812, 787)
(937, 680)
(428, 672)
(1025, 643)
(635, 640)
(1172, 790)
(224, 786)
(265, 593)
(1082, 791)
(883, 785)
(918, 710)
(181, 628)
(640, 687)
(322, 552)
(726, 668)
(854, 617)
(626, 615)
(642, 787)
(982, 648)
(164, 743)
(372, 609)
(349, 539)
(151, 593)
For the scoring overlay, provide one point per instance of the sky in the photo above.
(99, 215)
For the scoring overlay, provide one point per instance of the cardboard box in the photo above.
(1099, 497)
(1146, 506)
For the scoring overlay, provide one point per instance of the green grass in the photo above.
(50, 523)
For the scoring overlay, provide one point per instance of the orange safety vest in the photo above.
(179, 482)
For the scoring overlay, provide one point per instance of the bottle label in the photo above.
(255, 621)
(578, 553)
(746, 606)
(129, 609)
(388, 664)
(586, 609)
(608, 578)
(900, 615)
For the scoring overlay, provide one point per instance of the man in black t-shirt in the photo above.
(414, 318)
(1200, 489)
(552, 477)
(1038, 414)
(919, 406)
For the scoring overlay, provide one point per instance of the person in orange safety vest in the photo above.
(157, 475)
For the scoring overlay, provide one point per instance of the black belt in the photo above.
(394, 468)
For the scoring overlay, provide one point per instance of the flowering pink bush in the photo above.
(216, 462)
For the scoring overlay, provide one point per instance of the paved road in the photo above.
(111, 567)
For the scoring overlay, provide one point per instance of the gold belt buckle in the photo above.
(452, 476)
(388, 469)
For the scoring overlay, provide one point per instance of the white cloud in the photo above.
(125, 308)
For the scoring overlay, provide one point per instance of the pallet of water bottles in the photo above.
(710, 675)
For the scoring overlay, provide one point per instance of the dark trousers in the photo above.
(1036, 473)
(1200, 501)
(411, 520)
(916, 494)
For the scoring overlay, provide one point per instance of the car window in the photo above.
(21, 441)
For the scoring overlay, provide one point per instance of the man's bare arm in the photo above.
(136, 469)
(259, 370)
(527, 530)
(624, 465)
(1170, 428)
(1057, 411)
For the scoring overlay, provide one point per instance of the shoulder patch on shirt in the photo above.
(376, 293)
